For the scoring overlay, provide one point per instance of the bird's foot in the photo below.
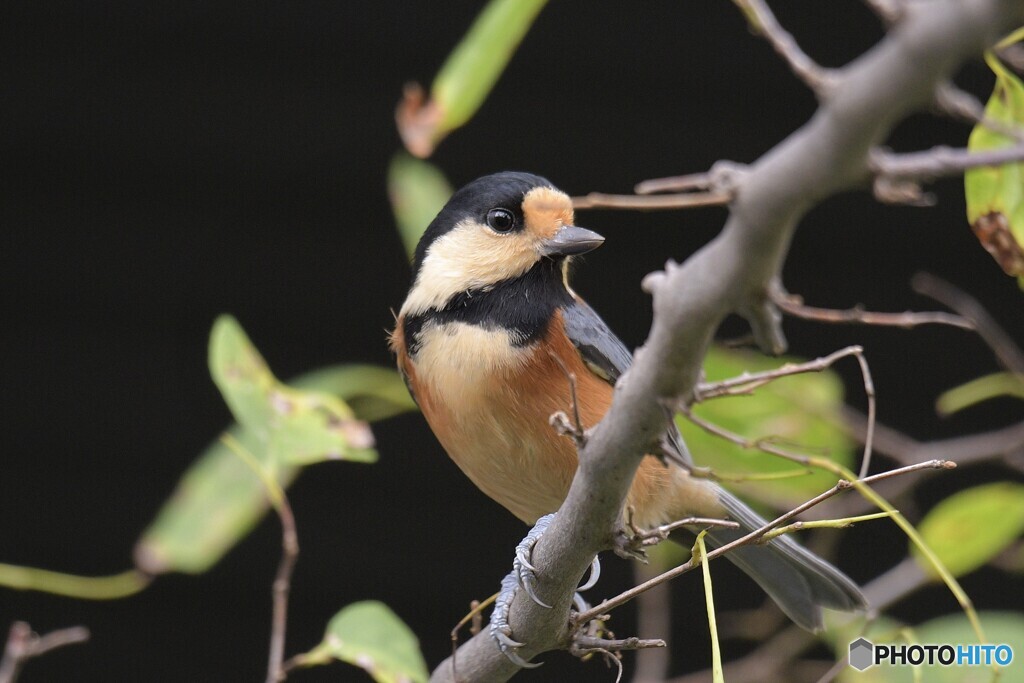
(524, 575)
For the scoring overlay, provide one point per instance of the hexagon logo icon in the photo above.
(862, 654)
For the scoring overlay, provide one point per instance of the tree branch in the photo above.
(940, 161)
(22, 645)
(794, 305)
(762, 20)
(731, 273)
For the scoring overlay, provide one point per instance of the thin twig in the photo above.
(22, 645)
(685, 200)
(677, 183)
(633, 544)
(282, 587)
(475, 619)
(583, 644)
(558, 420)
(747, 382)
(762, 20)
(991, 445)
(689, 565)
(869, 437)
(794, 305)
(1006, 350)
(752, 537)
(654, 618)
(760, 444)
(940, 161)
(724, 176)
(843, 523)
(276, 671)
(962, 105)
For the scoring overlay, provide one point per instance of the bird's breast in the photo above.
(489, 402)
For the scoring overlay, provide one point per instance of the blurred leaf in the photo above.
(374, 393)
(217, 502)
(293, 426)
(369, 635)
(980, 389)
(972, 526)
(219, 499)
(468, 75)
(111, 587)
(801, 411)
(1000, 628)
(418, 191)
(995, 195)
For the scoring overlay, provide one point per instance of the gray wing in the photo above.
(608, 358)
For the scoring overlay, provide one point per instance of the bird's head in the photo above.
(495, 229)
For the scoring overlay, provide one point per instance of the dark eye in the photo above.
(500, 220)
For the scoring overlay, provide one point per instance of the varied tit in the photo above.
(485, 340)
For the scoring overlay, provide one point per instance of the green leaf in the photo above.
(972, 526)
(418, 191)
(800, 411)
(217, 502)
(219, 499)
(369, 635)
(468, 75)
(995, 195)
(292, 426)
(980, 389)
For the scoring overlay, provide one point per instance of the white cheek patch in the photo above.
(469, 256)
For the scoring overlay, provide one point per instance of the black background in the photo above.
(164, 162)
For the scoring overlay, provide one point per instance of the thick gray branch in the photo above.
(732, 273)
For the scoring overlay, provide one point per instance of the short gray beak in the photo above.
(571, 241)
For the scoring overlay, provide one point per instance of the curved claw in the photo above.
(527, 584)
(519, 661)
(522, 554)
(524, 570)
(579, 603)
(504, 639)
(595, 574)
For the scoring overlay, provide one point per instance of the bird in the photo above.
(485, 340)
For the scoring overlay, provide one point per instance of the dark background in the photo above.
(164, 162)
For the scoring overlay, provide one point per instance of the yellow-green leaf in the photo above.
(374, 393)
(799, 412)
(418, 191)
(369, 635)
(220, 499)
(217, 502)
(972, 526)
(467, 76)
(980, 389)
(995, 195)
(291, 426)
